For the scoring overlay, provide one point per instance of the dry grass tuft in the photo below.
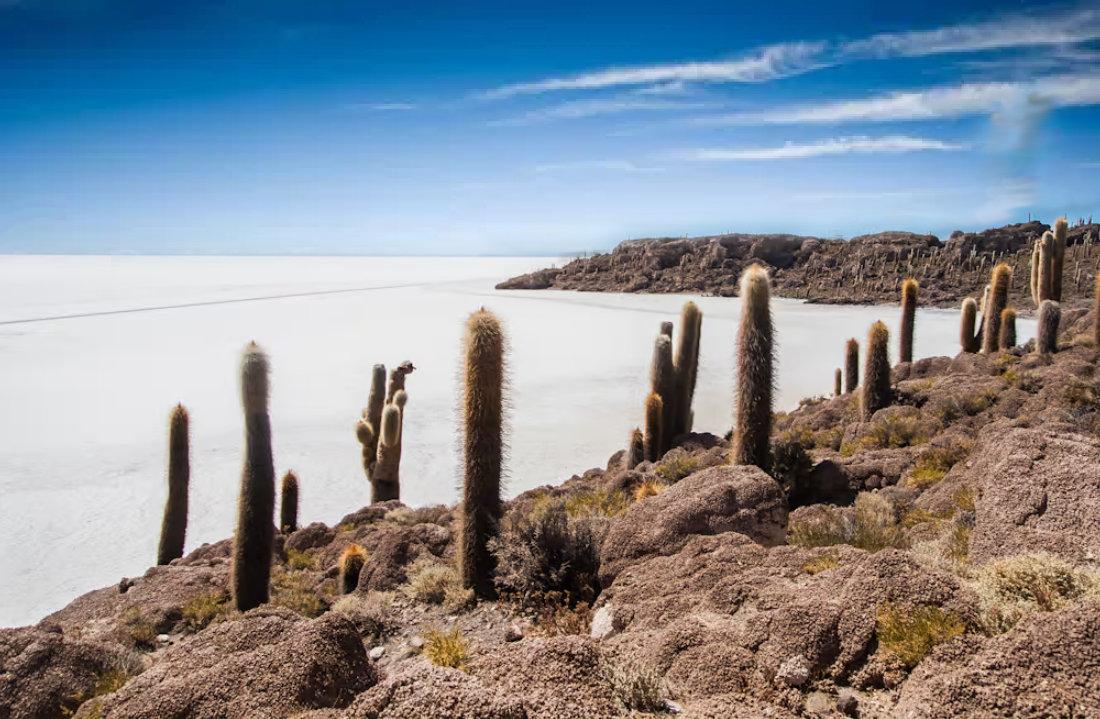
(872, 526)
(203, 609)
(648, 488)
(636, 688)
(446, 649)
(824, 563)
(596, 503)
(1015, 587)
(910, 633)
(675, 467)
(432, 583)
(294, 592)
(297, 559)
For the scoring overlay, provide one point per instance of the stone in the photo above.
(603, 622)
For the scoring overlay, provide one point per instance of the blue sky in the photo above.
(269, 126)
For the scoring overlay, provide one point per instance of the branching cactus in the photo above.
(686, 364)
(851, 365)
(173, 529)
(1007, 338)
(385, 481)
(255, 535)
(909, 290)
(968, 340)
(876, 372)
(1058, 258)
(483, 449)
(653, 437)
(288, 503)
(351, 566)
(755, 356)
(998, 300)
(635, 449)
(662, 382)
(1050, 316)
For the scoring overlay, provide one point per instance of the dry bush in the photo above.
(136, 630)
(889, 431)
(824, 563)
(967, 405)
(434, 583)
(636, 688)
(372, 613)
(935, 462)
(555, 617)
(1012, 588)
(596, 503)
(791, 465)
(297, 559)
(203, 609)
(910, 633)
(872, 526)
(648, 488)
(446, 649)
(293, 591)
(675, 466)
(108, 680)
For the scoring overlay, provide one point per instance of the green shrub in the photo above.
(935, 462)
(202, 609)
(910, 633)
(674, 468)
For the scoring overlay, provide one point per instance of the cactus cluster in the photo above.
(379, 431)
(672, 378)
(1047, 264)
(173, 529)
(755, 358)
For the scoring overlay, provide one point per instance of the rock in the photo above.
(423, 691)
(794, 672)
(517, 630)
(266, 662)
(376, 653)
(847, 703)
(718, 499)
(603, 622)
(311, 536)
(162, 638)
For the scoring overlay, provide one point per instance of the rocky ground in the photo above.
(863, 270)
(940, 560)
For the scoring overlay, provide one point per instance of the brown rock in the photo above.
(423, 691)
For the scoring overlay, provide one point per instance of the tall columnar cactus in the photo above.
(288, 503)
(635, 449)
(1007, 339)
(851, 365)
(1050, 316)
(837, 378)
(662, 381)
(1036, 263)
(1058, 258)
(376, 400)
(483, 449)
(1046, 268)
(385, 481)
(1096, 314)
(755, 355)
(998, 300)
(686, 364)
(876, 372)
(173, 529)
(968, 340)
(351, 566)
(909, 290)
(252, 543)
(654, 432)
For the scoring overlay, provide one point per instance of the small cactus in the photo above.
(1050, 316)
(662, 382)
(851, 365)
(255, 535)
(876, 372)
(173, 529)
(755, 355)
(1007, 338)
(385, 481)
(969, 341)
(653, 437)
(838, 376)
(351, 566)
(483, 449)
(288, 503)
(1058, 258)
(635, 449)
(909, 290)
(998, 300)
(686, 365)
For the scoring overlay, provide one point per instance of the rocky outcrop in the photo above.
(862, 270)
(424, 690)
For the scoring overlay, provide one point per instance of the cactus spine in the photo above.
(252, 543)
(483, 449)
(351, 566)
(635, 449)
(755, 355)
(837, 377)
(876, 372)
(662, 382)
(1050, 316)
(1058, 258)
(288, 503)
(998, 300)
(173, 529)
(969, 341)
(653, 437)
(851, 365)
(686, 366)
(385, 481)
(909, 290)
(1007, 339)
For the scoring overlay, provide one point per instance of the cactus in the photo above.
(876, 372)
(635, 449)
(1046, 266)
(1096, 314)
(397, 379)
(483, 449)
(1007, 338)
(686, 366)
(385, 480)
(666, 329)
(1058, 258)
(838, 376)
(755, 355)
(662, 382)
(1050, 315)
(372, 416)
(851, 365)
(998, 300)
(364, 432)
(351, 566)
(173, 529)
(969, 341)
(288, 503)
(653, 437)
(909, 290)
(252, 543)
(1035, 268)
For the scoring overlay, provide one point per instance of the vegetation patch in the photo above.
(446, 648)
(935, 462)
(910, 633)
(297, 559)
(648, 488)
(824, 563)
(433, 583)
(137, 631)
(871, 526)
(636, 688)
(1016, 587)
(597, 502)
(293, 591)
(203, 609)
(675, 467)
(888, 431)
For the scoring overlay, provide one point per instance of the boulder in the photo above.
(423, 691)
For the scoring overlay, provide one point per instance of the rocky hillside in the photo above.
(864, 270)
(939, 560)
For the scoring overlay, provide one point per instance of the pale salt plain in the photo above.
(94, 351)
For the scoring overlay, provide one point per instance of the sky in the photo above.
(453, 128)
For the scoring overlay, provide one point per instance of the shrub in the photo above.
(136, 630)
(965, 498)
(1082, 397)
(293, 591)
(891, 431)
(446, 649)
(635, 687)
(108, 680)
(433, 583)
(675, 467)
(1014, 587)
(821, 529)
(966, 405)
(958, 543)
(297, 559)
(202, 609)
(791, 465)
(648, 488)
(554, 618)
(872, 526)
(596, 502)
(821, 564)
(371, 612)
(910, 633)
(935, 462)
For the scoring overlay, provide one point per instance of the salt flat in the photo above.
(96, 350)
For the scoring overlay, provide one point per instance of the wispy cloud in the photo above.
(969, 99)
(860, 145)
(578, 109)
(788, 59)
(596, 165)
(387, 106)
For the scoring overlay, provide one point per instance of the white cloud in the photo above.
(578, 109)
(390, 106)
(597, 165)
(861, 145)
(992, 98)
